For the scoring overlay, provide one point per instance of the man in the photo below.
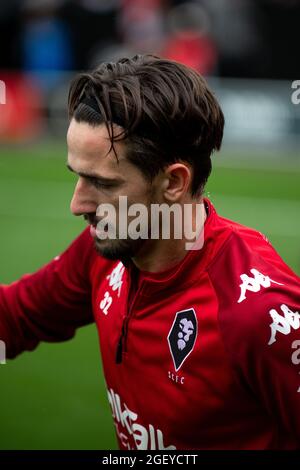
(200, 342)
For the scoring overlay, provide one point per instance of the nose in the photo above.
(82, 201)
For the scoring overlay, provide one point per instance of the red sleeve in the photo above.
(49, 304)
(259, 313)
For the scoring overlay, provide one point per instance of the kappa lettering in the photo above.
(253, 284)
(144, 438)
(283, 323)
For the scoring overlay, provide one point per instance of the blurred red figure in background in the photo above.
(189, 40)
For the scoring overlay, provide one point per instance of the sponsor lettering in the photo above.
(115, 279)
(132, 434)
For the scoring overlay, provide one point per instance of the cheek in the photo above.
(124, 197)
(132, 206)
(107, 196)
(138, 191)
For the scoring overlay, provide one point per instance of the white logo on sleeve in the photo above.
(283, 323)
(253, 284)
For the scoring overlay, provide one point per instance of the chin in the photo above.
(118, 249)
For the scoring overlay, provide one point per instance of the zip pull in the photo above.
(131, 297)
(119, 350)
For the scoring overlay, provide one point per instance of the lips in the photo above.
(93, 231)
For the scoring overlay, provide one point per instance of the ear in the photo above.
(177, 179)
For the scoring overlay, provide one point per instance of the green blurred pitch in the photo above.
(55, 398)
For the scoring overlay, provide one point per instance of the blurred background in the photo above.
(55, 398)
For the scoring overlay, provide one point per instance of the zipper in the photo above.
(120, 346)
(124, 331)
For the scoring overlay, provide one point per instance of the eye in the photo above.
(99, 184)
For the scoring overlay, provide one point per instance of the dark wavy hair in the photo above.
(166, 111)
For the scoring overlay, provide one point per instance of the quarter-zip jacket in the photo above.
(203, 356)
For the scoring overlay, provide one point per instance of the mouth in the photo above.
(95, 232)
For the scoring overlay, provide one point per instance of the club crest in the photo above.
(182, 336)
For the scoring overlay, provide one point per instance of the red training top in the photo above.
(205, 356)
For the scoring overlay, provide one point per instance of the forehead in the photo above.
(89, 146)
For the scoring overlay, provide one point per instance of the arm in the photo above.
(269, 359)
(262, 335)
(259, 315)
(50, 304)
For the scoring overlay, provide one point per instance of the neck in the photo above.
(160, 255)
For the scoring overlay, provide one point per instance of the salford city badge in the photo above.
(182, 336)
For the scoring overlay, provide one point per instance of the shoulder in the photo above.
(258, 294)
(246, 265)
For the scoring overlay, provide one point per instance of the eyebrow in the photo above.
(92, 176)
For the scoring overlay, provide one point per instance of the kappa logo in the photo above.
(283, 323)
(182, 336)
(253, 284)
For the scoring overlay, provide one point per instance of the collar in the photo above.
(187, 271)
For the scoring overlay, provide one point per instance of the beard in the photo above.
(122, 250)
(115, 246)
